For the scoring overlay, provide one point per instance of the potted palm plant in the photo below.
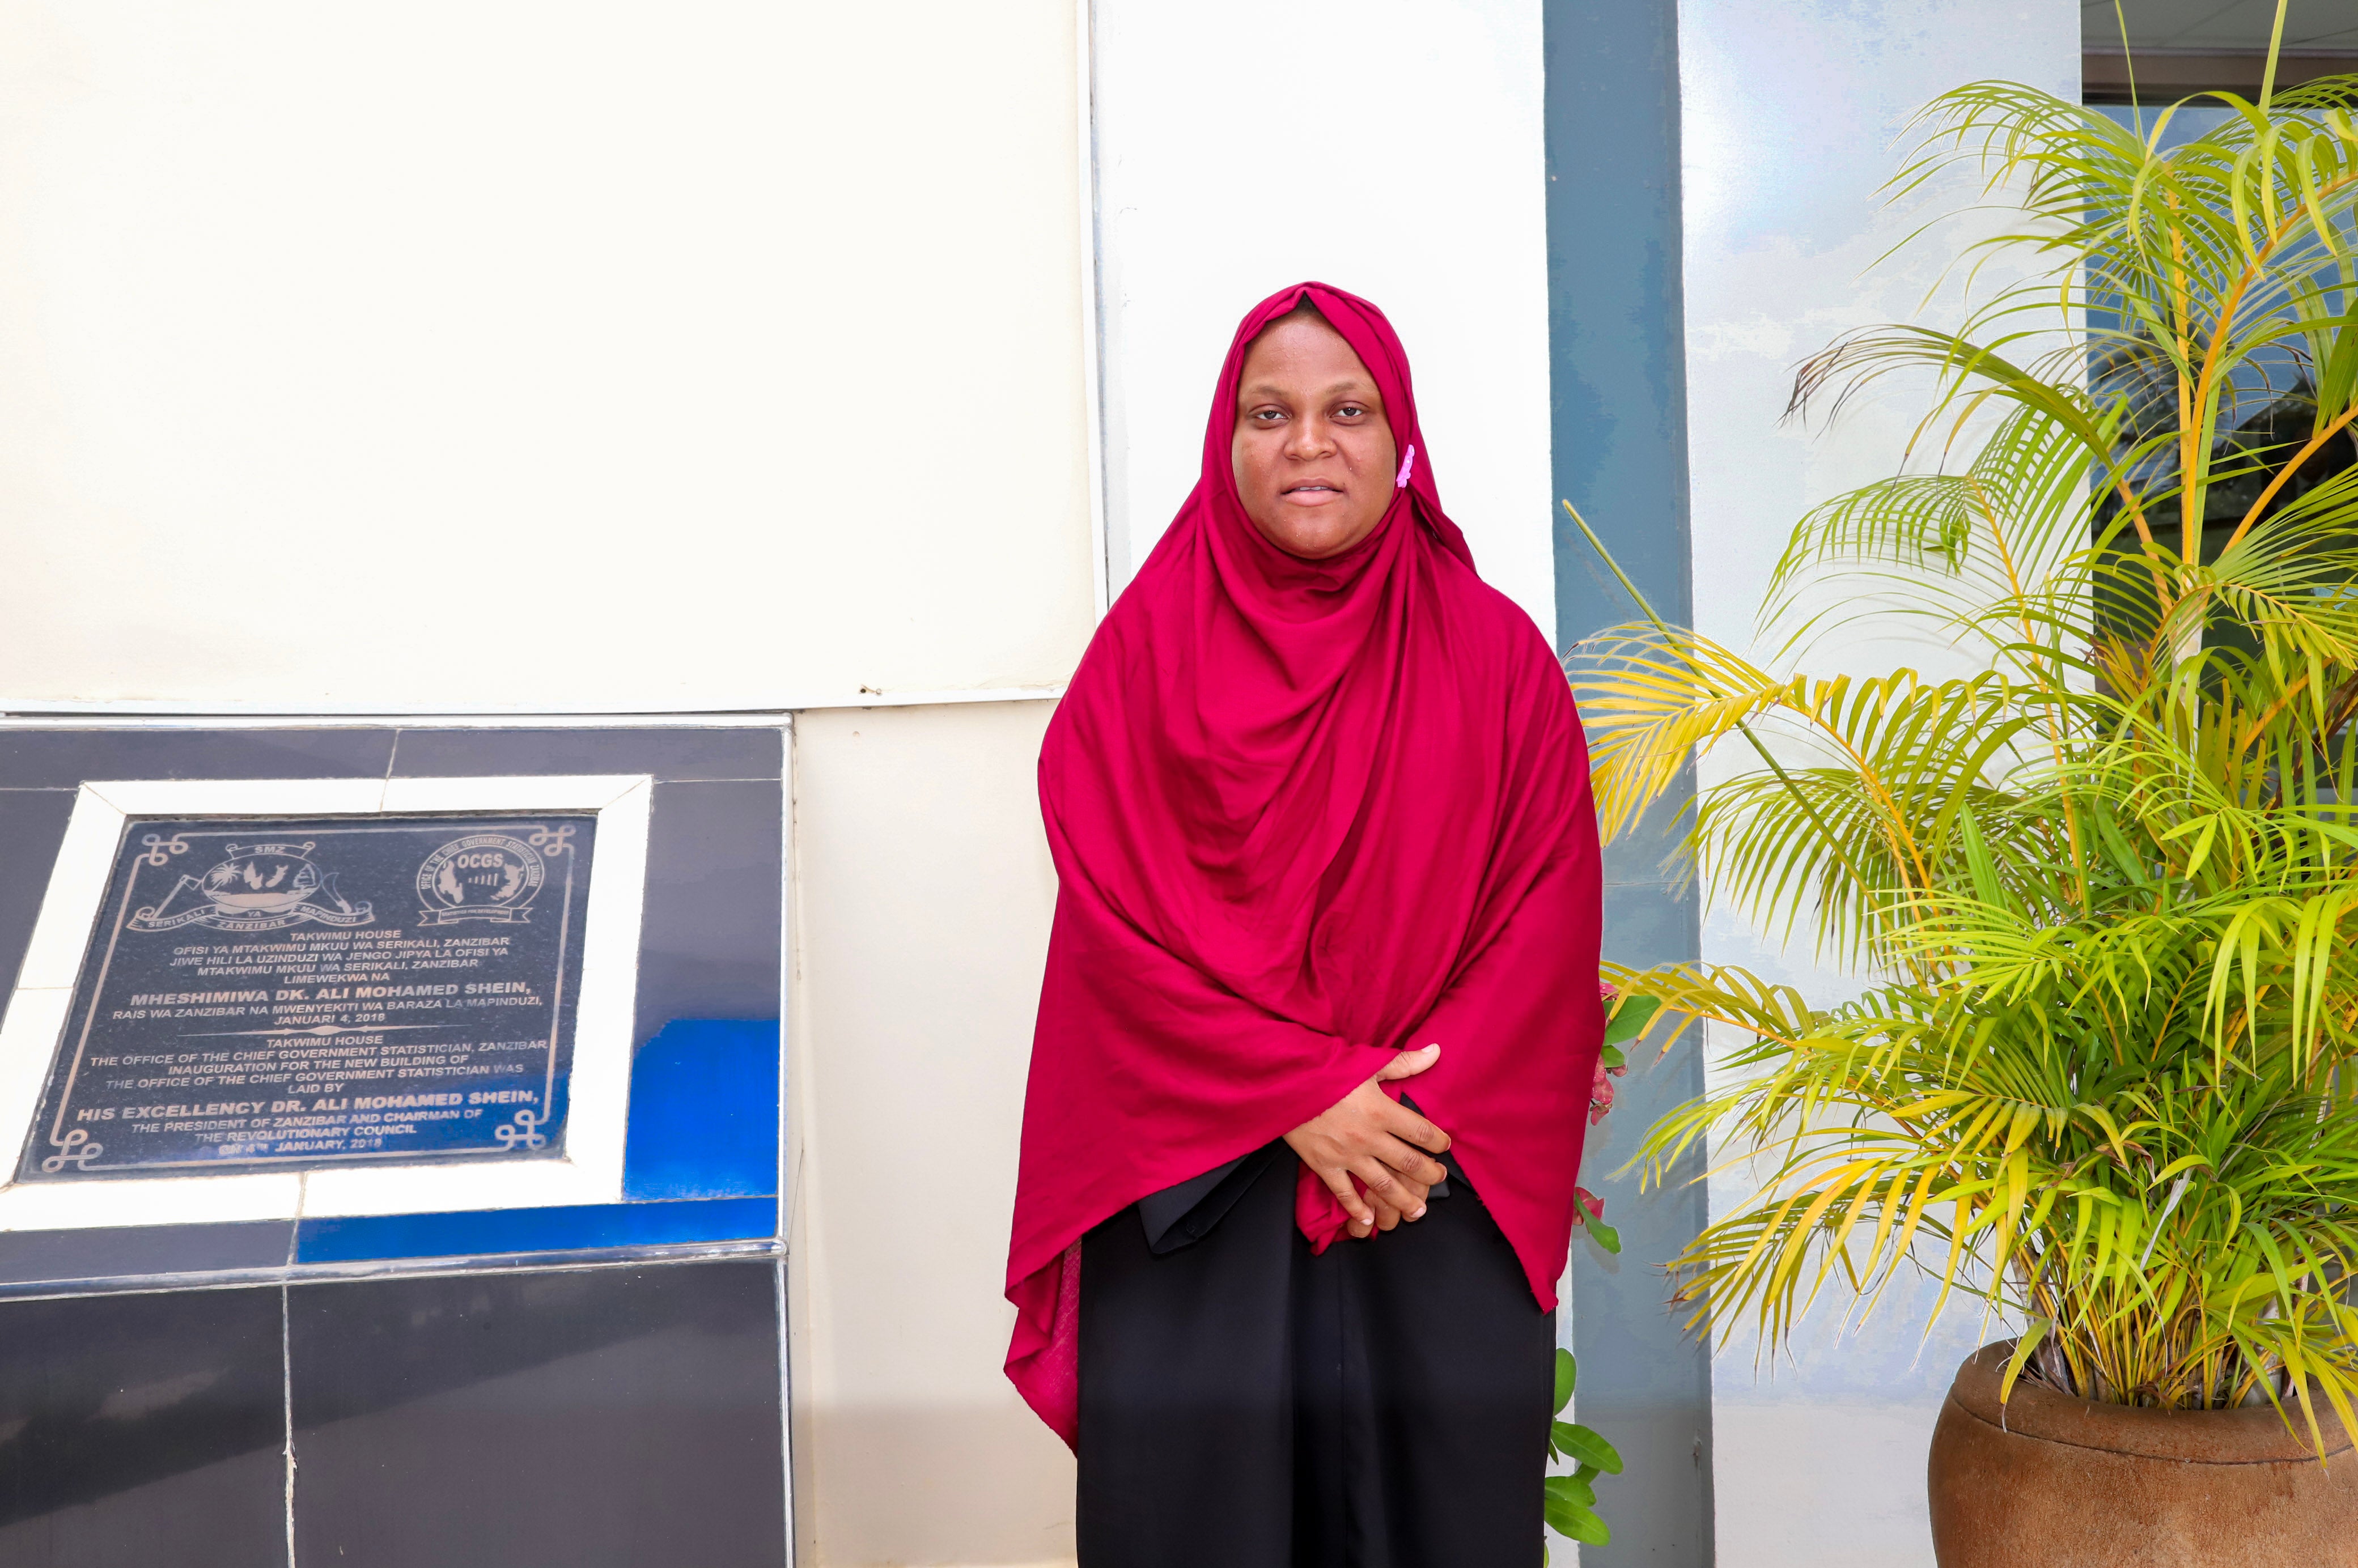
(2102, 887)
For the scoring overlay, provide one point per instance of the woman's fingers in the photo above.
(1339, 1182)
(1389, 1191)
(1368, 1135)
(1387, 1182)
(1409, 1063)
(1409, 1128)
(1412, 1163)
(1397, 1119)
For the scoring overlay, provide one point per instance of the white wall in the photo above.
(1789, 113)
(517, 354)
(1391, 147)
(922, 892)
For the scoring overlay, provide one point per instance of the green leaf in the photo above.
(1613, 1057)
(1629, 1019)
(1577, 1442)
(1578, 1523)
(1572, 1490)
(1604, 1235)
(1567, 1377)
(2023, 1348)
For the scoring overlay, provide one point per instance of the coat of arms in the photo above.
(259, 887)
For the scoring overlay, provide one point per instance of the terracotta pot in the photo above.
(2052, 1481)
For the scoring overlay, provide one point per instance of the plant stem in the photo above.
(2276, 46)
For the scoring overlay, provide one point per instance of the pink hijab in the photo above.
(1305, 814)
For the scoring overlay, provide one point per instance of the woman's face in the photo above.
(1314, 455)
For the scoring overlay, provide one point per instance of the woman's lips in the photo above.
(1311, 494)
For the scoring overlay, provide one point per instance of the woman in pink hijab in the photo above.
(1320, 1022)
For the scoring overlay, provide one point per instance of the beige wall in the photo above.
(490, 355)
(922, 892)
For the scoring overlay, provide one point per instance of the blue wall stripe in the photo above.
(1617, 360)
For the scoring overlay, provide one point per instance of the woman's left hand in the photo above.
(1369, 1135)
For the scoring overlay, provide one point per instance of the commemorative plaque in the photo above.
(267, 993)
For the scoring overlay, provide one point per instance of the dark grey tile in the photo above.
(229, 1514)
(748, 754)
(709, 942)
(609, 1418)
(32, 825)
(64, 758)
(35, 1257)
(146, 1429)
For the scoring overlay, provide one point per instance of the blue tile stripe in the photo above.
(704, 1111)
(573, 1227)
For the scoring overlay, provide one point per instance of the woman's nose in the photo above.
(1309, 438)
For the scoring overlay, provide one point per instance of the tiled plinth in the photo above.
(575, 1384)
(575, 1418)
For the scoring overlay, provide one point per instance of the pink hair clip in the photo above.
(1408, 466)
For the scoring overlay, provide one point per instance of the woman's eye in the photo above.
(1351, 411)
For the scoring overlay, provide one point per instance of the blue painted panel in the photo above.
(704, 1111)
(1617, 308)
(568, 1228)
(1618, 364)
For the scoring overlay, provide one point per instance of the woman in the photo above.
(1319, 806)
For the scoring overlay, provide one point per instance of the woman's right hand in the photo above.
(1369, 1135)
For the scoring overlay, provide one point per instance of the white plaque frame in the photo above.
(596, 1123)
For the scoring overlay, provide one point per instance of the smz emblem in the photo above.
(260, 888)
(486, 876)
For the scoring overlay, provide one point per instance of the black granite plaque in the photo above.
(266, 993)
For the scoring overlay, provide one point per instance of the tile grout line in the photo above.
(286, 1392)
(785, 1411)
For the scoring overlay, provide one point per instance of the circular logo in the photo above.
(485, 876)
(268, 878)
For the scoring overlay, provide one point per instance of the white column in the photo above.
(1790, 115)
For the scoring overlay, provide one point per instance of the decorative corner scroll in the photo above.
(74, 1148)
(525, 1132)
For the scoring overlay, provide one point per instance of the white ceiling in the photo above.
(2221, 26)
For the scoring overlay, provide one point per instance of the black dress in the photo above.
(1246, 1405)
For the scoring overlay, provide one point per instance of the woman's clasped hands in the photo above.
(1386, 1145)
